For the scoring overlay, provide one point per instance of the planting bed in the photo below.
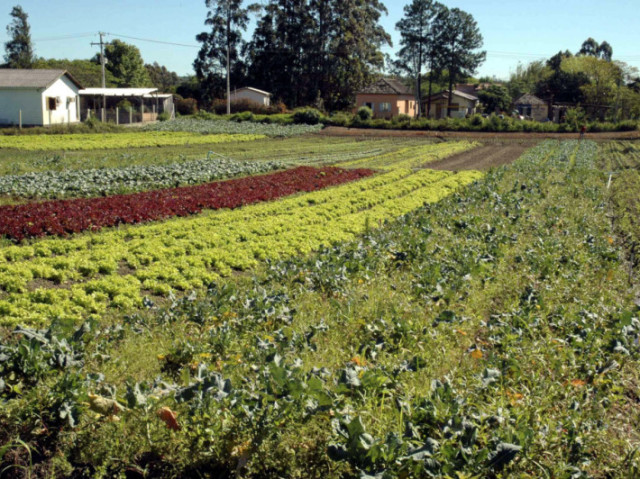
(91, 141)
(63, 217)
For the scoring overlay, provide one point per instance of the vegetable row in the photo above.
(61, 217)
(88, 274)
(108, 181)
(232, 128)
(118, 140)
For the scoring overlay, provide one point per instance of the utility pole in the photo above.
(102, 62)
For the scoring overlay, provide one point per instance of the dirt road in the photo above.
(368, 133)
(482, 158)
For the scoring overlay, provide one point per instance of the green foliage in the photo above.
(575, 118)
(332, 47)
(164, 116)
(241, 125)
(19, 49)
(495, 99)
(164, 80)
(186, 106)
(364, 113)
(125, 64)
(307, 116)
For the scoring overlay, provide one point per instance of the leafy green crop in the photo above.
(232, 128)
(105, 181)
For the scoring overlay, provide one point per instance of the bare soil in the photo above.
(373, 133)
(482, 158)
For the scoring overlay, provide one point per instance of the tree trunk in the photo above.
(228, 63)
(450, 101)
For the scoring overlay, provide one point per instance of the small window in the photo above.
(51, 103)
(385, 107)
(369, 105)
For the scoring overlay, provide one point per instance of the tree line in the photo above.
(322, 52)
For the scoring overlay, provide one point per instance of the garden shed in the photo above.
(38, 97)
(254, 95)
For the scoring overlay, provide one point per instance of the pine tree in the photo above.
(421, 35)
(19, 50)
(461, 39)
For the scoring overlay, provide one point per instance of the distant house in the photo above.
(531, 106)
(387, 98)
(260, 97)
(38, 97)
(462, 104)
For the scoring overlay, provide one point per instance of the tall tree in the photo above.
(221, 45)
(19, 49)
(592, 48)
(420, 32)
(303, 47)
(461, 39)
(161, 78)
(125, 63)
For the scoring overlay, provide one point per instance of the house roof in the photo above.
(262, 92)
(36, 78)
(461, 94)
(529, 99)
(118, 91)
(387, 86)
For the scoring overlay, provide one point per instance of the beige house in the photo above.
(387, 98)
(531, 106)
(462, 104)
(254, 95)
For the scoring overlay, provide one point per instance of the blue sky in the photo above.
(515, 31)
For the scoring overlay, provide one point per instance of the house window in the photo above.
(369, 105)
(385, 107)
(51, 103)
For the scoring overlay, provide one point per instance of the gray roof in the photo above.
(445, 94)
(529, 99)
(21, 78)
(387, 86)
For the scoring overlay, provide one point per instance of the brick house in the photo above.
(387, 98)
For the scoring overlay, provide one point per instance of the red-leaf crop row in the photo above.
(72, 216)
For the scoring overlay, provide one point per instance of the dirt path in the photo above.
(369, 133)
(482, 158)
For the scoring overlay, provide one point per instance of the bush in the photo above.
(124, 104)
(340, 119)
(164, 116)
(402, 118)
(307, 116)
(186, 106)
(365, 113)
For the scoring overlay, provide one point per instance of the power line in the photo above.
(153, 41)
(65, 37)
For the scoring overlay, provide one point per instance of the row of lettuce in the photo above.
(89, 274)
(489, 335)
(63, 217)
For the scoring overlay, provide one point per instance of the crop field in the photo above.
(321, 308)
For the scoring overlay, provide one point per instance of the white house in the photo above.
(252, 94)
(38, 97)
(462, 104)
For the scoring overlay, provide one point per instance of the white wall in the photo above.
(252, 96)
(12, 100)
(67, 109)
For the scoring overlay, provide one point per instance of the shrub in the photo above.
(187, 106)
(124, 104)
(164, 116)
(307, 116)
(402, 118)
(340, 119)
(365, 113)
(244, 116)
